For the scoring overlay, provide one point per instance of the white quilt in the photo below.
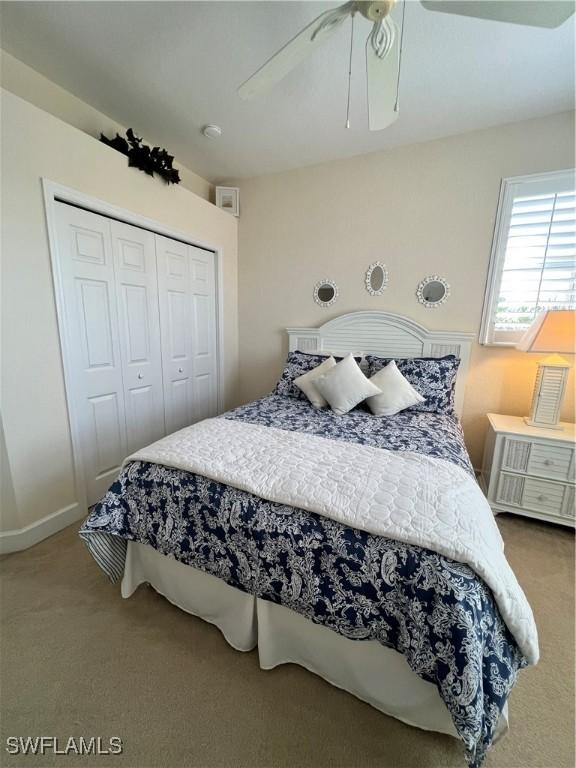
(402, 495)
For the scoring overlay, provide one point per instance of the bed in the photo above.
(358, 547)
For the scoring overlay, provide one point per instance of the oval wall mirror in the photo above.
(325, 293)
(376, 278)
(433, 291)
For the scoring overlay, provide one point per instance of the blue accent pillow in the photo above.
(433, 377)
(297, 364)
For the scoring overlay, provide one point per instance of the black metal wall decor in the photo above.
(150, 160)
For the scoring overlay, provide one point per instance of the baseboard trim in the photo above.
(23, 538)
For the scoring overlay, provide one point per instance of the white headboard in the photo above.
(387, 335)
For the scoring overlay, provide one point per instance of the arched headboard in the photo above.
(387, 335)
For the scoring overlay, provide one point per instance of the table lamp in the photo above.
(551, 331)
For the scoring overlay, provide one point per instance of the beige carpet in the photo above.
(78, 660)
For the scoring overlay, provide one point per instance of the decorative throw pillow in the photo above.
(297, 364)
(397, 393)
(306, 382)
(344, 386)
(432, 377)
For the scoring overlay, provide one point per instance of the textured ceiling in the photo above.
(167, 68)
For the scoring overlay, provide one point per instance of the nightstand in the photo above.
(529, 470)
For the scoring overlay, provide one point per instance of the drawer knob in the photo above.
(548, 462)
(180, 370)
(542, 497)
(140, 375)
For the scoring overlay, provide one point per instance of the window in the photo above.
(533, 263)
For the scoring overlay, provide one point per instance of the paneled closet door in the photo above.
(186, 282)
(174, 293)
(204, 343)
(139, 332)
(93, 349)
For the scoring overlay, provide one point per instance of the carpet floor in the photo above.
(77, 660)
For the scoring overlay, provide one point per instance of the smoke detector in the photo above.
(212, 131)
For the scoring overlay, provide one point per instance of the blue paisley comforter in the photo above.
(437, 612)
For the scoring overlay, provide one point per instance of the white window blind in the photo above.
(533, 265)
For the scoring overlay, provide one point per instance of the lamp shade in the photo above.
(551, 331)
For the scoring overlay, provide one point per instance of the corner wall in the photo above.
(37, 475)
(25, 82)
(422, 209)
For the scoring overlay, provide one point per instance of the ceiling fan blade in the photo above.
(382, 77)
(294, 52)
(531, 13)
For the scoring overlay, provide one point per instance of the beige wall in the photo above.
(37, 468)
(23, 81)
(421, 209)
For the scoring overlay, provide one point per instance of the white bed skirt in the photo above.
(378, 675)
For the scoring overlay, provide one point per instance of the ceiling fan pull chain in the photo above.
(397, 105)
(350, 73)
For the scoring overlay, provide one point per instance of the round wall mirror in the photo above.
(325, 293)
(376, 278)
(433, 291)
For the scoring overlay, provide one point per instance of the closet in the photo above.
(138, 326)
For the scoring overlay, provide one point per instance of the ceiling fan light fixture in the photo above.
(384, 45)
(375, 11)
(212, 131)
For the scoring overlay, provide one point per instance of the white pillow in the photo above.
(396, 392)
(306, 382)
(344, 386)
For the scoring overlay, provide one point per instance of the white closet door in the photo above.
(139, 332)
(188, 325)
(138, 324)
(204, 365)
(175, 323)
(93, 350)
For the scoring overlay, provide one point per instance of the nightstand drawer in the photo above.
(550, 461)
(534, 458)
(516, 454)
(542, 495)
(531, 493)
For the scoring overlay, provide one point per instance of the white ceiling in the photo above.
(167, 68)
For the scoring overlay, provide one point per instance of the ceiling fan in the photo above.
(384, 44)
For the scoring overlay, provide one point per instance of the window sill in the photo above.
(508, 344)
